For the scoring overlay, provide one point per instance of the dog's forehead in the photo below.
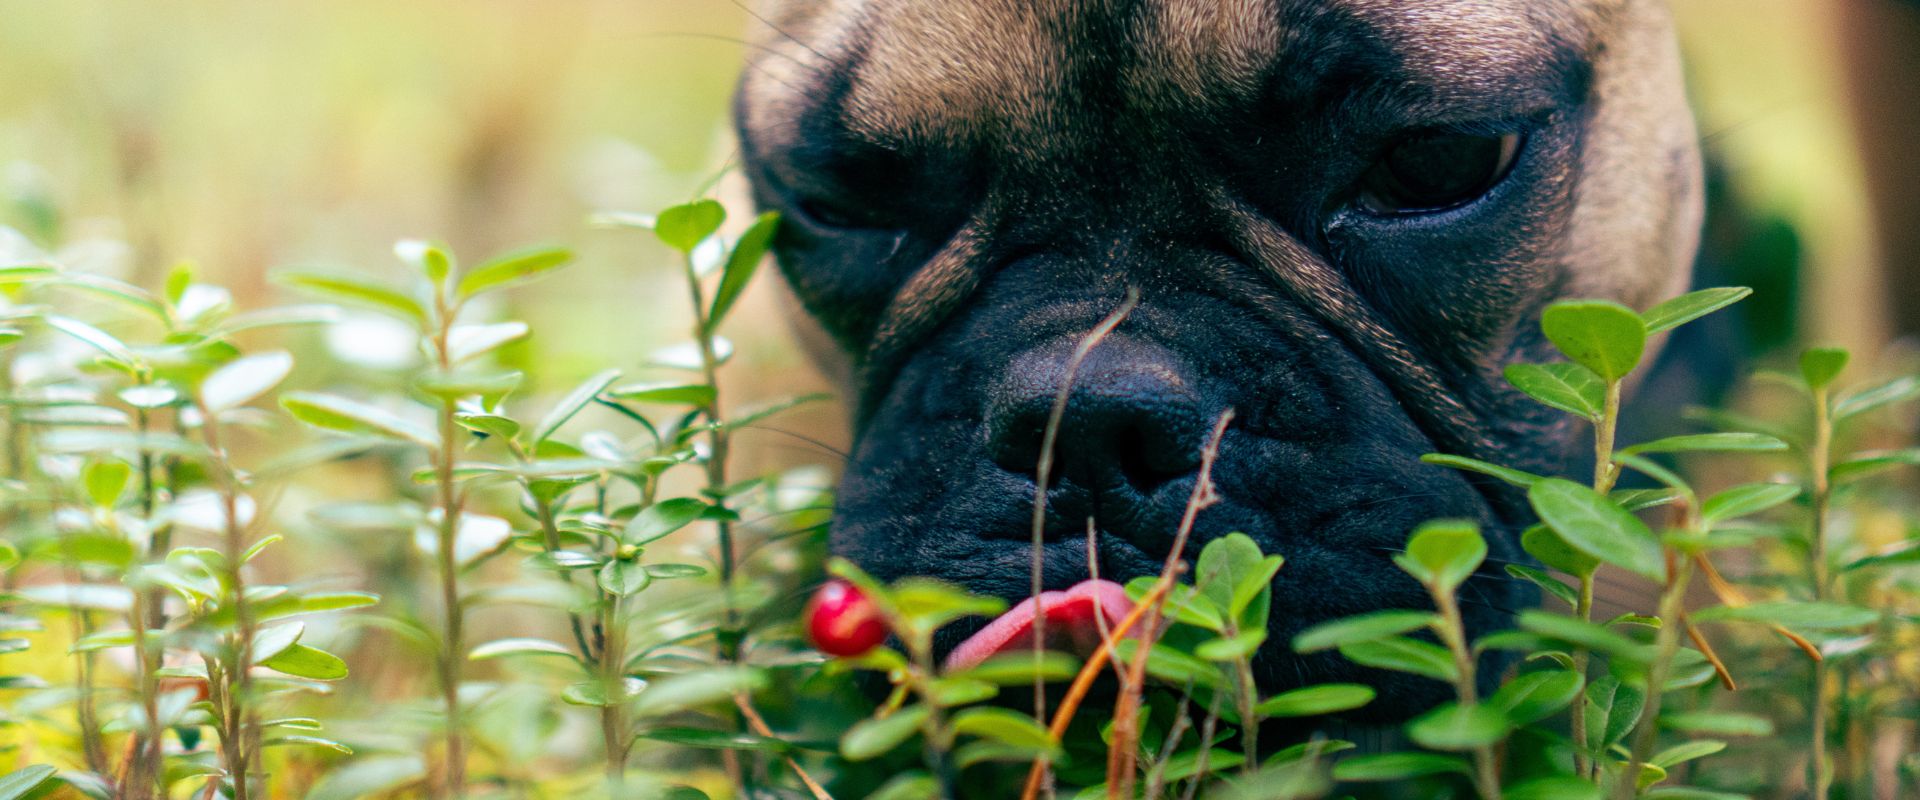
(955, 69)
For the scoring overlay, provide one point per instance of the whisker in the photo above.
(822, 446)
(777, 29)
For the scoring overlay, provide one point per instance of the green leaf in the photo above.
(241, 380)
(1897, 390)
(1718, 723)
(870, 738)
(594, 693)
(1552, 787)
(1397, 767)
(466, 342)
(358, 291)
(1820, 365)
(1367, 627)
(499, 648)
(1171, 666)
(1595, 526)
(684, 227)
(1741, 501)
(623, 578)
(572, 403)
(1687, 751)
(1612, 709)
(748, 252)
(302, 661)
(1547, 583)
(1456, 728)
(1232, 571)
(105, 480)
(1402, 654)
(273, 640)
(100, 340)
(708, 739)
(671, 571)
(1801, 615)
(1508, 474)
(698, 395)
(1642, 499)
(1582, 634)
(667, 516)
(1862, 465)
(1442, 554)
(433, 261)
(1601, 335)
(512, 269)
(298, 740)
(1727, 442)
(1233, 648)
(1534, 696)
(21, 782)
(373, 776)
(1566, 386)
(1691, 306)
(907, 786)
(341, 415)
(1542, 543)
(1313, 701)
(695, 689)
(1019, 669)
(1003, 725)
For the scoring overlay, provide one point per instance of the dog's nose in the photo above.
(1132, 420)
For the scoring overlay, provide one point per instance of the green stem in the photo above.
(613, 722)
(1486, 768)
(1820, 456)
(1666, 644)
(453, 650)
(239, 670)
(1605, 474)
(729, 638)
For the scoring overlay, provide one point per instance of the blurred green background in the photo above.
(252, 134)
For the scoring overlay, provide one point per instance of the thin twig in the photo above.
(1121, 757)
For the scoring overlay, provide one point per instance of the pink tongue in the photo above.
(1073, 623)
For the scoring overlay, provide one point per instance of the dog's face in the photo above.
(1342, 218)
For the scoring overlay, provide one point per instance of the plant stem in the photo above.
(144, 775)
(1605, 473)
(1666, 643)
(729, 638)
(453, 650)
(1486, 769)
(1820, 456)
(613, 722)
(238, 673)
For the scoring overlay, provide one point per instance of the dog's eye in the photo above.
(1436, 171)
(837, 215)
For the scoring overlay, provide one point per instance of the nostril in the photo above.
(1130, 420)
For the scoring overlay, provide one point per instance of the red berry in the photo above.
(843, 621)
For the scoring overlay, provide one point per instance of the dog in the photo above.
(1342, 219)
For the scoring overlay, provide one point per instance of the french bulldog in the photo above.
(1342, 219)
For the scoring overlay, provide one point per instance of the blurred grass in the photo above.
(250, 135)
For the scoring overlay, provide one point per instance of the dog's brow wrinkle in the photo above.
(1198, 51)
(1461, 49)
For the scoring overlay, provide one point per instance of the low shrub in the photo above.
(204, 532)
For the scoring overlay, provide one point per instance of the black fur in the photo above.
(1321, 463)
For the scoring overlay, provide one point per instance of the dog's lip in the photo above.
(1075, 619)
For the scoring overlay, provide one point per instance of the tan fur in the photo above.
(968, 71)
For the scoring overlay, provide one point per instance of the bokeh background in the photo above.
(252, 134)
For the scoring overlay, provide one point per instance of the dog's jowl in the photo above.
(1342, 218)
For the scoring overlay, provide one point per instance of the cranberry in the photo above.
(843, 621)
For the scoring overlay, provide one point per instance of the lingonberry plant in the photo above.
(582, 596)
